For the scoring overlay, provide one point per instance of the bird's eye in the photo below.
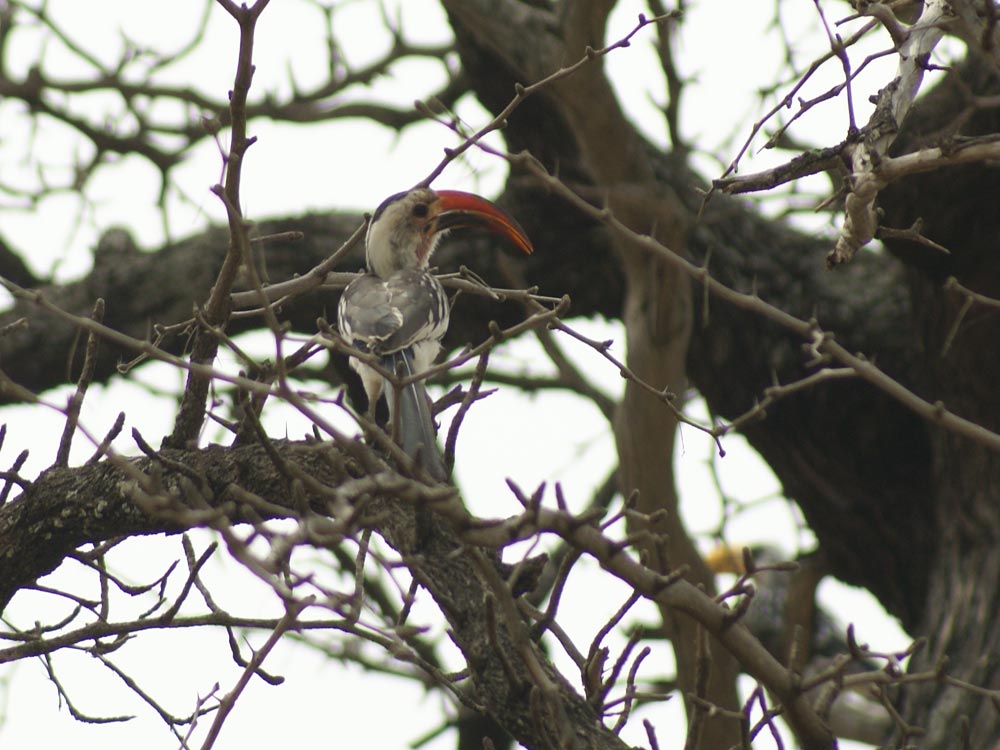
(420, 210)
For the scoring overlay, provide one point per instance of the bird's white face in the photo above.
(402, 233)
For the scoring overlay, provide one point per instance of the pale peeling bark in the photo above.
(916, 43)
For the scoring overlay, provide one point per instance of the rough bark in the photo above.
(958, 364)
(69, 507)
(91, 504)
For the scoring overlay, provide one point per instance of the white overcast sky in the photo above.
(728, 52)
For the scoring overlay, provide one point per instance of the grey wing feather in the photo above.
(388, 315)
(366, 313)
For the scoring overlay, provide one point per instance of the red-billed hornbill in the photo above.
(399, 311)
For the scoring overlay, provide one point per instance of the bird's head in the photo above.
(726, 558)
(406, 228)
(730, 558)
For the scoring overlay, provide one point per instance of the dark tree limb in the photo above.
(512, 679)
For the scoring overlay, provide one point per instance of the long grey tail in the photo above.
(417, 435)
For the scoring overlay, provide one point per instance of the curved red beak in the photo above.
(459, 209)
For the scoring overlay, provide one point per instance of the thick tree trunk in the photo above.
(963, 601)
(960, 367)
(877, 484)
(657, 299)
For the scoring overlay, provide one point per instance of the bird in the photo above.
(768, 613)
(782, 597)
(399, 312)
